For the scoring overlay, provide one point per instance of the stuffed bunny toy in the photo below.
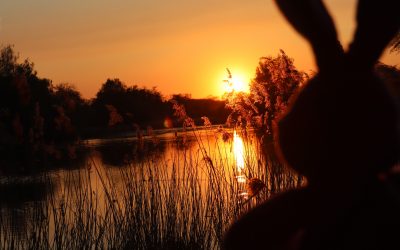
(341, 132)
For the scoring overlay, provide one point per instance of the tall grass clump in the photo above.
(185, 199)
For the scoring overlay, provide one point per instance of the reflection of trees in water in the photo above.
(16, 194)
(23, 161)
(122, 153)
(21, 201)
(76, 160)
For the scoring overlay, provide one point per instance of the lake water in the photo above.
(184, 187)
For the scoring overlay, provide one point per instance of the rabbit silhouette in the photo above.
(341, 131)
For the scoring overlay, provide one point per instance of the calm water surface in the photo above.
(101, 162)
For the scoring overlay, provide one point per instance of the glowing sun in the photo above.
(236, 82)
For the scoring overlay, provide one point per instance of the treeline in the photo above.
(33, 110)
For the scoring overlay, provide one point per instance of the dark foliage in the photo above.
(214, 109)
(34, 113)
(276, 80)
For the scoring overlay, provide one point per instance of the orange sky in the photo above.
(180, 46)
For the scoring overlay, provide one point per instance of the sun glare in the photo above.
(237, 83)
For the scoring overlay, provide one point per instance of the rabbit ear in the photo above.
(377, 24)
(311, 19)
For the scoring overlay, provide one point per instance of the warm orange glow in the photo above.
(235, 81)
(168, 122)
(170, 45)
(238, 151)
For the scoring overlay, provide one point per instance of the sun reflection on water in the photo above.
(238, 150)
(241, 178)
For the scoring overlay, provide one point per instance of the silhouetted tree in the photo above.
(147, 106)
(275, 82)
(141, 106)
(8, 61)
(112, 92)
(213, 109)
(67, 97)
(22, 96)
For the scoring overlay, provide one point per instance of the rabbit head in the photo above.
(344, 122)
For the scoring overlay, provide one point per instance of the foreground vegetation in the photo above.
(185, 203)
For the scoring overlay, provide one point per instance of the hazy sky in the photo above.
(180, 46)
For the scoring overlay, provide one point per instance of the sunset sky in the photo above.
(180, 46)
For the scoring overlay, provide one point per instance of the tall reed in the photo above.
(184, 201)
